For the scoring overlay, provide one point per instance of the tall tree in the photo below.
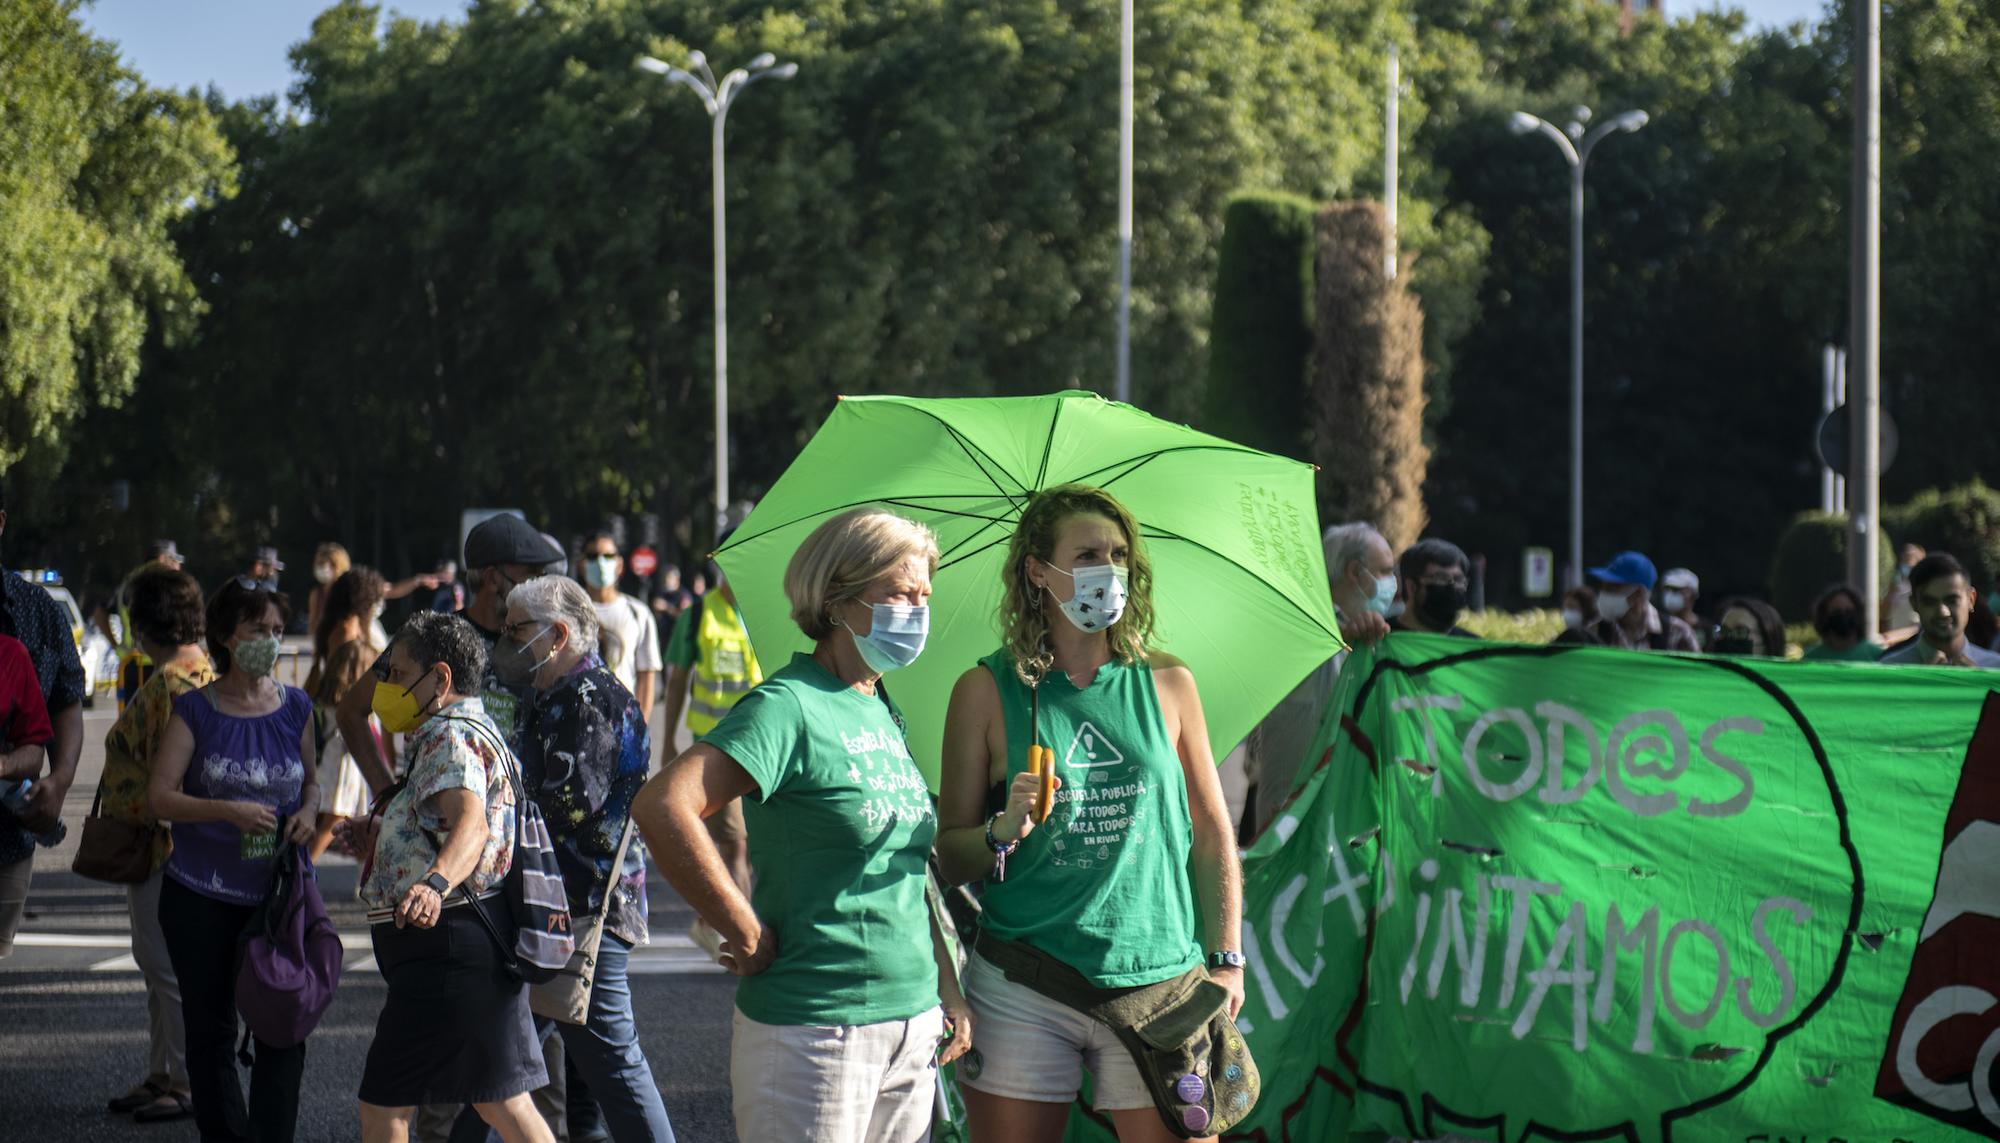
(94, 169)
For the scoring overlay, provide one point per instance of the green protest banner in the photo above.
(1574, 893)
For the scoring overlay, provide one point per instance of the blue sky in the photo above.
(239, 45)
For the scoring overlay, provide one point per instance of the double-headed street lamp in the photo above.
(1576, 145)
(717, 97)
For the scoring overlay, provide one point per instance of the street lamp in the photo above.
(1576, 145)
(717, 98)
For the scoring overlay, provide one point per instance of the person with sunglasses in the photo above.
(500, 554)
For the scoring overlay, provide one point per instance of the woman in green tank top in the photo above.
(1132, 878)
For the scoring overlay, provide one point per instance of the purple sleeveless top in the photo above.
(237, 760)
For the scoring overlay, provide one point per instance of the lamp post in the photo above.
(717, 98)
(1122, 382)
(1576, 145)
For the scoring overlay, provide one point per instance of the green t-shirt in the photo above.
(1862, 652)
(840, 827)
(680, 650)
(1103, 884)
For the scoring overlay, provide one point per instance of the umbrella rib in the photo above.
(901, 502)
(1163, 534)
(1150, 457)
(936, 511)
(978, 455)
(944, 563)
(1048, 446)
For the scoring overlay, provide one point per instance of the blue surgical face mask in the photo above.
(600, 571)
(895, 638)
(1385, 595)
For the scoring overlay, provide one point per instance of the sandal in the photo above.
(138, 1097)
(171, 1105)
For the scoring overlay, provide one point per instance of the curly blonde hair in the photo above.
(1024, 625)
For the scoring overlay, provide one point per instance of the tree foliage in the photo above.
(94, 170)
(470, 263)
(473, 267)
(1262, 334)
(1368, 380)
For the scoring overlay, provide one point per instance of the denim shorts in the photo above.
(1027, 1046)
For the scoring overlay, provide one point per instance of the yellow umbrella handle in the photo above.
(1042, 762)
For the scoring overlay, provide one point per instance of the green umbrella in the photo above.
(1239, 586)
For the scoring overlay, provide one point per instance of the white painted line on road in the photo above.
(668, 954)
(74, 940)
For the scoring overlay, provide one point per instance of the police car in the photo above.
(91, 646)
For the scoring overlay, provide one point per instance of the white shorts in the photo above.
(853, 1083)
(1027, 1046)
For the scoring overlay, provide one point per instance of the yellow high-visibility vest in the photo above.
(725, 666)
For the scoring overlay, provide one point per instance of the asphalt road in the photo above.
(73, 1015)
(73, 1008)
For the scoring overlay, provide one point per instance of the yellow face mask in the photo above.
(396, 706)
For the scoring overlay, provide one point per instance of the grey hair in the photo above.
(558, 599)
(1346, 543)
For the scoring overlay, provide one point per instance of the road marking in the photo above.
(668, 953)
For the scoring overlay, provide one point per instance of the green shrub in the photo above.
(1261, 333)
(1812, 554)
(1513, 626)
(1964, 521)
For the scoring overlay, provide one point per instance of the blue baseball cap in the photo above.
(1629, 567)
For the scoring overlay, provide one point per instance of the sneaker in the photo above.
(170, 1106)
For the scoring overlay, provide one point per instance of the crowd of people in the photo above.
(513, 713)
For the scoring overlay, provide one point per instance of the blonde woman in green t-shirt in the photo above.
(1103, 883)
(844, 1003)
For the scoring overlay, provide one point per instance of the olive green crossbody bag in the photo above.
(1179, 1033)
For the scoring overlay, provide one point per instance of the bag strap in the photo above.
(617, 868)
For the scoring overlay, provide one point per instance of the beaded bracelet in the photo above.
(1000, 849)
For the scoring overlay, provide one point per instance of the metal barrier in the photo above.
(294, 663)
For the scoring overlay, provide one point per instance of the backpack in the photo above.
(288, 957)
(537, 913)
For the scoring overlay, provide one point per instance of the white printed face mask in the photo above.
(1100, 596)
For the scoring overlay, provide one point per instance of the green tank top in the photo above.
(1103, 884)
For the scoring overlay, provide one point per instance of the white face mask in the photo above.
(323, 573)
(1100, 596)
(1673, 601)
(1612, 605)
(1572, 617)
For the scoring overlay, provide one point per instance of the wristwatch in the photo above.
(1229, 958)
(440, 886)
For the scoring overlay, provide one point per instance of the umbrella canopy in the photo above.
(1239, 579)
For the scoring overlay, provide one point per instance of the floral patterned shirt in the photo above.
(129, 747)
(458, 748)
(585, 751)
